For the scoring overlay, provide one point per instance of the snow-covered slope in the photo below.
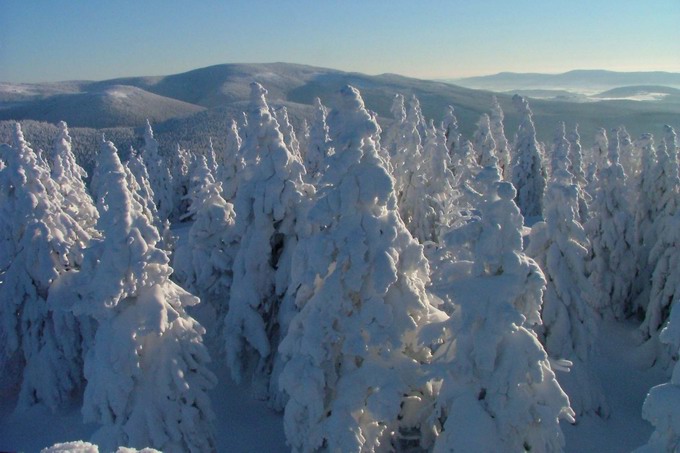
(111, 106)
(226, 87)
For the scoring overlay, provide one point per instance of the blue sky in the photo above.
(62, 40)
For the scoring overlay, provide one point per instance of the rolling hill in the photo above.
(581, 80)
(190, 107)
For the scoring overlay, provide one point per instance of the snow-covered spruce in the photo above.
(451, 132)
(529, 174)
(664, 256)
(503, 151)
(69, 177)
(576, 169)
(596, 160)
(497, 391)
(645, 215)
(611, 230)
(405, 148)
(662, 405)
(570, 323)
(440, 196)
(181, 175)
(159, 174)
(146, 369)
(353, 360)
(230, 163)
(630, 158)
(483, 141)
(287, 130)
(317, 147)
(140, 187)
(211, 157)
(204, 264)
(270, 201)
(40, 349)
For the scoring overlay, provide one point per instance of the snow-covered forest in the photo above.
(407, 289)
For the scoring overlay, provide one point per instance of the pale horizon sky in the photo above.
(86, 40)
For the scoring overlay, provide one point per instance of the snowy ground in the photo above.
(626, 383)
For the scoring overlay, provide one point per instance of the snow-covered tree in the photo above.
(496, 388)
(287, 130)
(159, 174)
(561, 248)
(39, 348)
(529, 174)
(662, 405)
(270, 200)
(230, 163)
(140, 187)
(394, 135)
(645, 211)
(596, 160)
(576, 169)
(317, 147)
(611, 230)
(352, 355)
(664, 256)
(146, 369)
(199, 174)
(450, 125)
(204, 264)
(630, 160)
(181, 182)
(406, 162)
(69, 177)
(502, 146)
(483, 141)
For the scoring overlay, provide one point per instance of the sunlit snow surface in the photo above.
(626, 381)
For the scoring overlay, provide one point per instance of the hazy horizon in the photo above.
(432, 39)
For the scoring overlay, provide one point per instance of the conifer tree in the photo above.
(204, 264)
(498, 133)
(497, 390)
(159, 174)
(611, 230)
(354, 339)
(181, 176)
(630, 160)
(230, 163)
(484, 143)
(140, 187)
(268, 206)
(576, 169)
(662, 405)
(69, 178)
(317, 148)
(40, 348)
(288, 132)
(146, 369)
(453, 136)
(561, 248)
(645, 216)
(597, 160)
(529, 175)
(664, 255)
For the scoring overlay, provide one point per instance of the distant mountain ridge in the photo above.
(191, 107)
(594, 79)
